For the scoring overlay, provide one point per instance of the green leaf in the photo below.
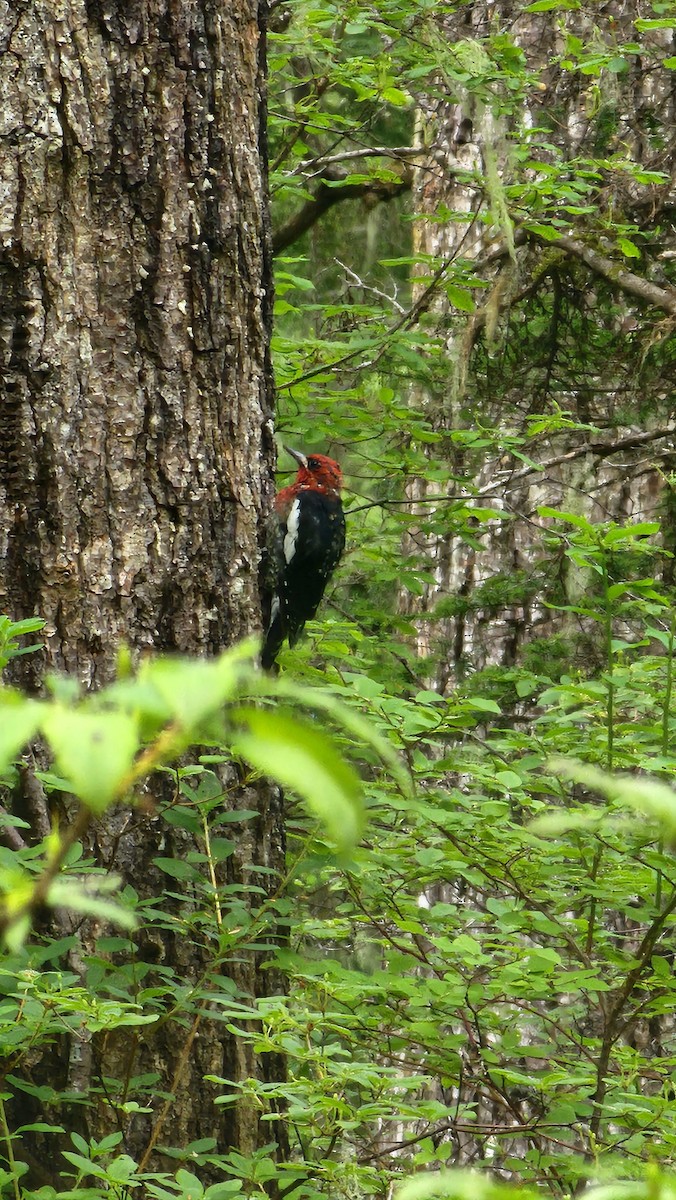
(483, 705)
(65, 892)
(302, 758)
(121, 1169)
(509, 780)
(84, 1165)
(193, 689)
(526, 687)
(40, 1127)
(628, 248)
(395, 96)
(460, 298)
(177, 868)
(347, 718)
(548, 232)
(557, 824)
(19, 721)
(629, 533)
(191, 1188)
(648, 796)
(575, 519)
(458, 1185)
(93, 750)
(643, 24)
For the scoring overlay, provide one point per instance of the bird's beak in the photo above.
(300, 458)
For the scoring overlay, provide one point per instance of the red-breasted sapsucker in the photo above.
(305, 542)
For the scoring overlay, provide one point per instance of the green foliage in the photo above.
(496, 943)
(104, 745)
(11, 632)
(500, 941)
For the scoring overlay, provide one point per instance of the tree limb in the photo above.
(396, 152)
(633, 441)
(635, 285)
(9, 834)
(326, 196)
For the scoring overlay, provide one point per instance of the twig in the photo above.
(367, 288)
(600, 449)
(175, 1083)
(326, 160)
(44, 881)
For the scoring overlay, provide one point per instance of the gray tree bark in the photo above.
(136, 414)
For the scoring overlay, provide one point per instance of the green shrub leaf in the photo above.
(303, 759)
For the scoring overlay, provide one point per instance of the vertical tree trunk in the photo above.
(136, 421)
(136, 433)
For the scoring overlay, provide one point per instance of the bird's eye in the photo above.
(313, 464)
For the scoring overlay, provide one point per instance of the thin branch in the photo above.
(9, 834)
(326, 160)
(367, 288)
(38, 896)
(501, 479)
(600, 449)
(33, 794)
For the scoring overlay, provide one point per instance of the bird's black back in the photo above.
(297, 580)
(319, 545)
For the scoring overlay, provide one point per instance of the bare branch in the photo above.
(599, 449)
(398, 153)
(9, 834)
(367, 288)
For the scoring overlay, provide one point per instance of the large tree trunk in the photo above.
(135, 285)
(136, 440)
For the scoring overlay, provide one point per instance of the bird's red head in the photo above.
(318, 472)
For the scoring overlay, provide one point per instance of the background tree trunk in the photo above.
(546, 333)
(547, 330)
(136, 441)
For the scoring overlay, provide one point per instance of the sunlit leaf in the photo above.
(19, 720)
(94, 751)
(302, 758)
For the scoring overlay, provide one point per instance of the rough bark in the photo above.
(136, 420)
(135, 301)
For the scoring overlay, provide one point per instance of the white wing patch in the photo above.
(291, 535)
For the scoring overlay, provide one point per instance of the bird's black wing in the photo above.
(303, 550)
(318, 546)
